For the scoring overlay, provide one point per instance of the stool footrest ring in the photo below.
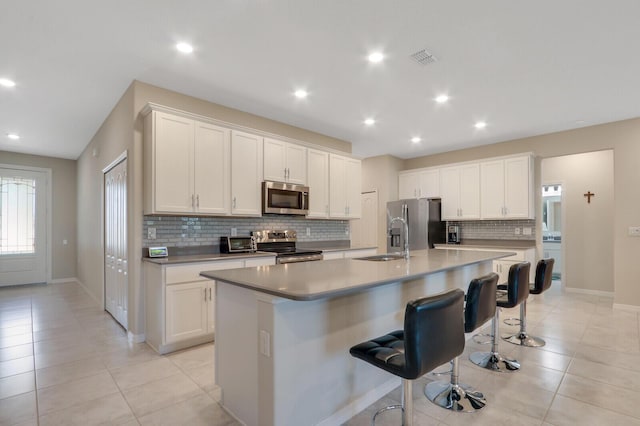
(382, 410)
(512, 321)
(476, 337)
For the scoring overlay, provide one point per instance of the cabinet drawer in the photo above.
(191, 271)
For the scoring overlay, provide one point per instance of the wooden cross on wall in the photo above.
(589, 194)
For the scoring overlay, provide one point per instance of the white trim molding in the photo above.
(627, 308)
(590, 292)
(64, 280)
(135, 338)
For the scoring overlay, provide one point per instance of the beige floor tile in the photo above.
(542, 357)
(621, 377)
(76, 392)
(200, 410)
(16, 366)
(153, 396)
(491, 415)
(569, 412)
(68, 372)
(18, 409)
(203, 376)
(111, 409)
(144, 372)
(15, 330)
(17, 384)
(65, 355)
(14, 352)
(601, 394)
(18, 339)
(609, 357)
(60, 332)
(194, 357)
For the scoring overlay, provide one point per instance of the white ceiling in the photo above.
(526, 68)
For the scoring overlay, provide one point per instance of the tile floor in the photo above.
(64, 361)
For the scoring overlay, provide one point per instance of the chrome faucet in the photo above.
(406, 234)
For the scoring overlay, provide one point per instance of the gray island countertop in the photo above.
(331, 278)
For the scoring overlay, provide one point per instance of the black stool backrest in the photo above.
(517, 285)
(433, 332)
(481, 301)
(544, 271)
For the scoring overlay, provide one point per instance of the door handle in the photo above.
(198, 200)
(234, 202)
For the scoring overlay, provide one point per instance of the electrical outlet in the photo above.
(234, 232)
(64, 242)
(308, 232)
(517, 231)
(265, 343)
(526, 231)
(151, 233)
(634, 231)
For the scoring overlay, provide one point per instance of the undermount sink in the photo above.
(382, 257)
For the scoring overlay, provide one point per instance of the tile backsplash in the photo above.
(172, 231)
(495, 229)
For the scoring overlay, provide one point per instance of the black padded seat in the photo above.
(433, 334)
(517, 292)
(480, 307)
(542, 282)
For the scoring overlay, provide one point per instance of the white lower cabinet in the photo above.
(180, 304)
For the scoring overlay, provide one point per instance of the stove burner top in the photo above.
(284, 244)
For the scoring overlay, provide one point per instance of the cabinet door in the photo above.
(492, 189)
(173, 163)
(337, 186)
(450, 193)
(354, 188)
(274, 160)
(408, 184)
(470, 191)
(318, 173)
(518, 188)
(246, 174)
(429, 183)
(211, 169)
(296, 163)
(186, 311)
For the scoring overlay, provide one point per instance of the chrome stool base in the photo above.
(523, 339)
(494, 361)
(454, 397)
(387, 408)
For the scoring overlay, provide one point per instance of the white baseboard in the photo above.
(628, 308)
(590, 292)
(135, 338)
(63, 280)
(344, 414)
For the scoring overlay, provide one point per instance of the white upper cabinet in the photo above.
(460, 192)
(246, 174)
(507, 188)
(186, 166)
(285, 162)
(345, 182)
(318, 182)
(419, 184)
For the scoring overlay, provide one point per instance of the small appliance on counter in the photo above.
(238, 244)
(453, 234)
(423, 219)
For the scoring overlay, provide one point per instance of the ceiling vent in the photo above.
(423, 57)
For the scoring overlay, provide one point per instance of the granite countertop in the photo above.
(493, 244)
(331, 278)
(170, 260)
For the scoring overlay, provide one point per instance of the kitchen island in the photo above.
(283, 332)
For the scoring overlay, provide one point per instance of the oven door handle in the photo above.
(295, 259)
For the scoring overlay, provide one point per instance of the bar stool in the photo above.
(517, 292)
(480, 308)
(433, 334)
(544, 271)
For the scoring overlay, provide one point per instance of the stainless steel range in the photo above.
(283, 243)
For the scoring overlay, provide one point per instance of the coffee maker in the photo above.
(453, 234)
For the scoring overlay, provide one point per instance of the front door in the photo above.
(23, 226)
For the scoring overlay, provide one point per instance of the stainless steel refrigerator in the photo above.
(425, 225)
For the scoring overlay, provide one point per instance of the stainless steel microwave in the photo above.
(285, 198)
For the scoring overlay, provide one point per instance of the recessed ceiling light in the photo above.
(375, 57)
(184, 47)
(6, 82)
(416, 139)
(442, 99)
(13, 136)
(369, 121)
(301, 94)
(480, 125)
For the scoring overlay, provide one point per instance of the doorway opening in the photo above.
(552, 226)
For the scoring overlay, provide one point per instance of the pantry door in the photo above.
(23, 225)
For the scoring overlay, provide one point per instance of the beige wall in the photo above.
(624, 138)
(63, 192)
(587, 228)
(122, 130)
(381, 173)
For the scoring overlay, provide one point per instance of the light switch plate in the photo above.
(151, 233)
(634, 231)
(265, 343)
(234, 232)
(517, 231)
(526, 231)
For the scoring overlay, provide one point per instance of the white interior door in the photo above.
(23, 226)
(115, 242)
(364, 231)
